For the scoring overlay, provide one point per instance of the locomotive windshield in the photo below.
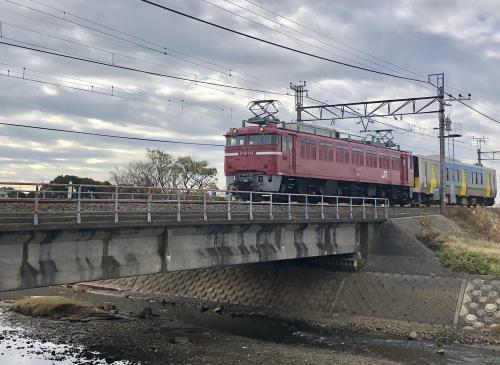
(235, 141)
(262, 139)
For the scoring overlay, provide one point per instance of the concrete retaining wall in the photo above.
(285, 287)
(400, 279)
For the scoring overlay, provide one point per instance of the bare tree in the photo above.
(160, 169)
(192, 174)
(156, 170)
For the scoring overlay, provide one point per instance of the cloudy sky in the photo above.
(412, 38)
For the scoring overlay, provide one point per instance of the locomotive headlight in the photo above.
(261, 129)
(235, 130)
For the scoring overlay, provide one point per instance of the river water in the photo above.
(16, 347)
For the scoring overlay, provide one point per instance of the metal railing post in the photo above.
(79, 205)
(337, 210)
(205, 216)
(376, 212)
(116, 204)
(149, 205)
(307, 210)
(322, 207)
(178, 206)
(228, 206)
(35, 214)
(350, 203)
(271, 206)
(289, 207)
(386, 208)
(251, 206)
(364, 209)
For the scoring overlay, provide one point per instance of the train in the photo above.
(268, 155)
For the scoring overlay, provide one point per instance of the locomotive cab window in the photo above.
(262, 139)
(284, 143)
(235, 141)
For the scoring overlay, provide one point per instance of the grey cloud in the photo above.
(403, 32)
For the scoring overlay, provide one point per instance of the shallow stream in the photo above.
(16, 348)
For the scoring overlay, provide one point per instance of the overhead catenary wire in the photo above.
(350, 53)
(153, 43)
(138, 70)
(475, 110)
(281, 45)
(111, 52)
(282, 33)
(28, 126)
(335, 40)
(329, 37)
(97, 23)
(161, 49)
(101, 49)
(170, 103)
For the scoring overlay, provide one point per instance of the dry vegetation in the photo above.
(476, 249)
(57, 308)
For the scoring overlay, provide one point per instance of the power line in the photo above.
(124, 33)
(278, 31)
(330, 37)
(77, 58)
(309, 36)
(474, 109)
(478, 111)
(112, 52)
(166, 51)
(111, 92)
(201, 82)
(110, 135)
(327, 36)
(280, 45)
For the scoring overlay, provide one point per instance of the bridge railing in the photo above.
(77, 203)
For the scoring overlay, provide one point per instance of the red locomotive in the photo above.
(268, 155)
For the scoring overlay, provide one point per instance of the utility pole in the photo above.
(479, 142)
(440, 95)
(299, 98)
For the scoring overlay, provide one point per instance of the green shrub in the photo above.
(464, 261)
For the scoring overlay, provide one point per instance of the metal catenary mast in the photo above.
(386, 108)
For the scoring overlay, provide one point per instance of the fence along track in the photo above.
(38, 203)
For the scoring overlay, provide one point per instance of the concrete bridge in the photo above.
(59, 234)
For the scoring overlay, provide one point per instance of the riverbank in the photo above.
(474, 247)
(183, 333)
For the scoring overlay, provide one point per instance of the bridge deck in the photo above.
(55, 205)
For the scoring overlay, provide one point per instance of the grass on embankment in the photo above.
(56, 307)
(475, 250)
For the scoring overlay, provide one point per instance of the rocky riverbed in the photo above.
(176, 332)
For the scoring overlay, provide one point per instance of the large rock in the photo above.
(146, 313)
(490, 308)
(470, 318)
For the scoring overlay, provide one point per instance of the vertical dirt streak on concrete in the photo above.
(29, 275)
(110, 267)
(163, 249)
(48, 267)
(298, 240)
